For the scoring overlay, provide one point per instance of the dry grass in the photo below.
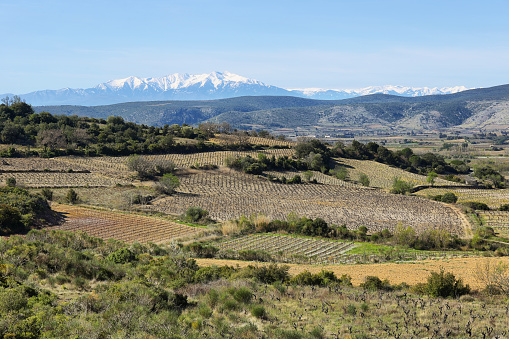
(230, 227)
(396, 273)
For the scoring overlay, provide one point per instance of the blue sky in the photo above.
(292, 44)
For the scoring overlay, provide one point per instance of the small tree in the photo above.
(168, 183)
(442, 284)
(340, 172)
(71, 197)
(308, 175)
(400, 186)
(195, 215)
(431, 178)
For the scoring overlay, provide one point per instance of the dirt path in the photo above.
(396, 273)
(466, 223)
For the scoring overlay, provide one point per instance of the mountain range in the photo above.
(216, 85)
(483, 108)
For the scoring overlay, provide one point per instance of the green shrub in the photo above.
(200, 250)
(364, 179)
(10, 220)
(364, 307)
(11, 182)
(196, 215)
(71, 196)
(254, 255)
(47, 193)
(205, 311)
(373, 283)
(317, 333)
(212, 298)
(476, 205)
(243, 295)
(258, 311)
(449, 198)
(167, 184)
(295, 180)
(351, 309)
(504, 207)
(230, 305)
(400, 186)
(121, 256)
(442, 284)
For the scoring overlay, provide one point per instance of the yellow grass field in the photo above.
(396, 273)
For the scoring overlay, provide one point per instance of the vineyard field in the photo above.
(61, 179)
(120, 226)
(285, 248)
(499, 220)
(491, 197)
(228, 194)
(382, 176)
(232, 139)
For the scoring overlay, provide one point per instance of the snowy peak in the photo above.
(175, 81)
(317, 93)
(215, 85)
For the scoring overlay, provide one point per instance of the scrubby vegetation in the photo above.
(59, 284)
(19, 209)
(405, 159)
(62, 284)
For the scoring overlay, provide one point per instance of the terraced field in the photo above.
(286, 248)
(64, 179)
(228, 194)
(499, 220)
(382, 176)
(120, 226)
(232, 139)
(492, 197)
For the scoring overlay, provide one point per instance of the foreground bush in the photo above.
(444, 285)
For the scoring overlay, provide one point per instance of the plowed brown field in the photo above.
(396, 273)
(120, 226)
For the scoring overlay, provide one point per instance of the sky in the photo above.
(338, 44)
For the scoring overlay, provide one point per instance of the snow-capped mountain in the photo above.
(335, 94)
(216, 85)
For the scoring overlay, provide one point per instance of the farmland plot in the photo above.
(120, 226)
(215, 158)
(499, 220)
(229, 194)
(118, 165)
(232, 139)
(318, 176)
(491, 197)
(287, 248)
(39, 164)
(52, 179)
(381, 175)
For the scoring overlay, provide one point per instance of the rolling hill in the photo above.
(471, 109)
